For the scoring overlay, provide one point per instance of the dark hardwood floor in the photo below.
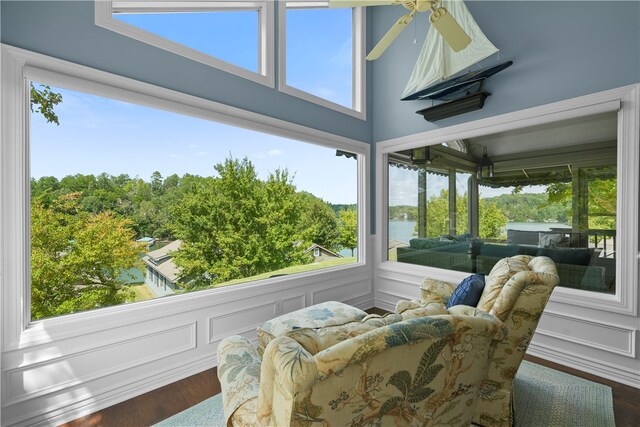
(166, 401)
(156, 405)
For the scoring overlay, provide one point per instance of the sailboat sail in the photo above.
(438, 62)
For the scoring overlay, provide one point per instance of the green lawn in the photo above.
(292, 270)
(142, 292)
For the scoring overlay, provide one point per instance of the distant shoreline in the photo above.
(404, 230)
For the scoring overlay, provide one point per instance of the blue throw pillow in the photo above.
(468, 292)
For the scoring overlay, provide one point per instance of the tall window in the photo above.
(130, 203)
(543, 191)
(331, 42)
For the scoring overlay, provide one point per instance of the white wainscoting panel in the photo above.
(601, 335)
(343, 292)
(31, 380)
(244, 320)
(51, 384)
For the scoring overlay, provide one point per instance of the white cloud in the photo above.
(201, 153)
(193, 145)
(275, 152)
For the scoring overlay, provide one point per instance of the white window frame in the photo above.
(625, 100)
(19, 67)
(359, 80)
(104, 10)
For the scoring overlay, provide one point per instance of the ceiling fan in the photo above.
(440, 18)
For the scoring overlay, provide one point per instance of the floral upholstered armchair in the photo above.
(516, 291)
(421, 370)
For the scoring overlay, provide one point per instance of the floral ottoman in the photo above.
(330, 313)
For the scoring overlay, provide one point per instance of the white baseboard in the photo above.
(591, 366)
(385, 305)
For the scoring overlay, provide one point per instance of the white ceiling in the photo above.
(579, 131)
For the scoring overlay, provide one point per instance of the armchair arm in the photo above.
(238, 372)
(436, 290)
(288, 370)
(433, 291)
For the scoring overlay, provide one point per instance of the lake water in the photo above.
(405, 230)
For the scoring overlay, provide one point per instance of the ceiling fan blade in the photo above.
(358, 3)
(449, 29)
(390, 36)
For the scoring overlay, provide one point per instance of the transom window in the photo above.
(331, 41)
(321, 49)
(235, 36)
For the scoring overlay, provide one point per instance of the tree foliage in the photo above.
(536, 207)
(236, 226)
(318, 222)
(43, 99)
(78, 258)
(348, 229)
(492, 220)
(602, 204)
(232, 226)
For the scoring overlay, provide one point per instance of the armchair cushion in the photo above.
(468, 292)
(433, 290)
(330, 313)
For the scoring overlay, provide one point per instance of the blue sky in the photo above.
(319, 44)
(98, 135)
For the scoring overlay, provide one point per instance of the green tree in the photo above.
(602, 187)
(318, 222)
(491, 218)
(348, 229)
(77, 258)
(157, 182)
(236, 226)
(603, 203)
(43, 99)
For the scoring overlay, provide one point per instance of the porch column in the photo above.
(473, 208)
(422, 202)
(580, 214)
(452, 202)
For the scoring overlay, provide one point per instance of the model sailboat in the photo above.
(437, 62)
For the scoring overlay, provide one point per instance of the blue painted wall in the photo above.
(560, 50)
(66, 30)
